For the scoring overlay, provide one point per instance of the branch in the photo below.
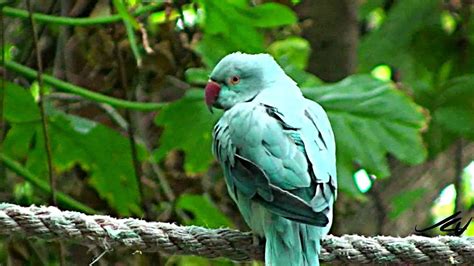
(23, 14)
(68, 87)
(133, 234)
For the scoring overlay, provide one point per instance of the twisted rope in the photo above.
(109, 233)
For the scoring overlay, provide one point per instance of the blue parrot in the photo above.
(277, 152)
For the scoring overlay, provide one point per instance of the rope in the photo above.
(110, 233)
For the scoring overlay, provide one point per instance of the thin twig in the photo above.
(130, 129)
(44, 125)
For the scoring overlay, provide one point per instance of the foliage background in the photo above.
(396, 78)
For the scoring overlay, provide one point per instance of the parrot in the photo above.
(277, 152)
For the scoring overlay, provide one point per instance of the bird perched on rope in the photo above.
(277, 152)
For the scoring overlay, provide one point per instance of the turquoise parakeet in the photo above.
(277, 152)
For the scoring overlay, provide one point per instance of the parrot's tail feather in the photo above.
(292, 243)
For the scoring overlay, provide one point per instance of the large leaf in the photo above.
(99, 150)
(187, 126)
(19, 105)
(404, 20)
(370, 118)
(455, 106)
(271, 15)
(102, 152)
(452, 109)
(18, 140)
(23, 113)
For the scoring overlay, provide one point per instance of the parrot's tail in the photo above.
(290, 243)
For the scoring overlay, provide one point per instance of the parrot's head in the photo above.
(240, 77)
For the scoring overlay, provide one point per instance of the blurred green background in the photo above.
(129, 133)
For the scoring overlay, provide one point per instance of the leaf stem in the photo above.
(23, 14)
(30, 177)
(94, 96)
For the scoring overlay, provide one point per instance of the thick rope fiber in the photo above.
(109, 233)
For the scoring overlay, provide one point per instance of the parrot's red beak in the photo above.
(212, 92)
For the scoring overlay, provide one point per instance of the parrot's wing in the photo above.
(265, 159)
(320, 148)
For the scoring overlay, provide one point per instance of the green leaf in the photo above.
(197, 76)
(293, 54)
(203, 210)
(187, 126)
(271, 15)
(220, 21)
(404, 20)
(212, 48)
(99, 150)
(370, 119)
(292, 51)
(404, 201)
(457, 119)
(438, 138)
(455, 106)
(302, 78)
(19, 105)
(18, 140)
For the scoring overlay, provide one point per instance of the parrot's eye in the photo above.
(234, 80)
